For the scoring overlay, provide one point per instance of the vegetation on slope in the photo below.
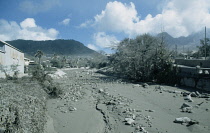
(60, 47)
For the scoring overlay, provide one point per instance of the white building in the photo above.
(10, 55)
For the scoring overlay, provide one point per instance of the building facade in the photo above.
(10, 55)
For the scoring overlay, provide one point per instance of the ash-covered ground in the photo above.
(95, 103)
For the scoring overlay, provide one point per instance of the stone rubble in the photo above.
(182, 120)
(188, 98)
(129, 121)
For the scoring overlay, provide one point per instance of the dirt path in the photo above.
(94, 103)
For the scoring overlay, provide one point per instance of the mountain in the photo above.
(184, 43)
(59, 47)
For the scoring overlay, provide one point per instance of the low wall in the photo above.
(194, 77)
(193, 62)
(203, 83)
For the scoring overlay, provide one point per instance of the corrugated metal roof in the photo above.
(10, 46)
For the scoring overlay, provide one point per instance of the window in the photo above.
(2, 46)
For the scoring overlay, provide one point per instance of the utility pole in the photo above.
(205, 42)
(188, 53)
(183, 48)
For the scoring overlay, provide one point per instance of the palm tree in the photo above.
(39, 55)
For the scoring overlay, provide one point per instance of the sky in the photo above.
(100, 24)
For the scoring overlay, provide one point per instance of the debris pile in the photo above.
(58, 74)
(186, 108)
(22, 107)
(73, 93)
(185, 120)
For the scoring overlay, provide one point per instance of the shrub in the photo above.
(144, 58)
(46, 81)
(10, 69)
(98, 62)
(57, 62)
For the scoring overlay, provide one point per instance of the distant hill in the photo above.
(60, 47)
(190, 42)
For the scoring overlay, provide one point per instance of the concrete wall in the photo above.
(193, 62)
(11, 56)
(202, 83)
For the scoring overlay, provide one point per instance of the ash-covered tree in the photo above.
(39, 55)
(144, 58)
(204, 47)
(58, 62)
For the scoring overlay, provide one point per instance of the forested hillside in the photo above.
(60, 47)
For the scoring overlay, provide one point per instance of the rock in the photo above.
(149, 110)
(72, 108)
(200, 103)
(189, 98)
(204, 96)
(177, 92)
(110, 103)
(140, 129)
(187, 109)
(193, 94)
(100, 90)
(63, 111)
(129, 121)
(184, 105)
(169, 91)
(106, 93)
(137, 128)
(192, 122)
(145, 85)
(136, 85)
(182, 120)
(200, 71)
(197, 93)
(138, 110)
(206, 72)
(133, 116)
(185, 93)
(208, 99)
(158, 88)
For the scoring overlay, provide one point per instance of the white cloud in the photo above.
(65, 22)
(105, 41)
(34, 7)
(178, 17)
(27, 30)
(117, 17)
(93, 47)
(86, 24)
(28, 23)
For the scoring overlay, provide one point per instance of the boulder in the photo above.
(129, 121)
(72, 108)
(145, 85)
(184, 105)
(189, 98)
(100, 90)
(187, 109)
(182, 120)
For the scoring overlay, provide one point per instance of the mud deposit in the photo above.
(95, 103)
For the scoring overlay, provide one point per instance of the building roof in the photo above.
(26, 59)
(10, 46)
